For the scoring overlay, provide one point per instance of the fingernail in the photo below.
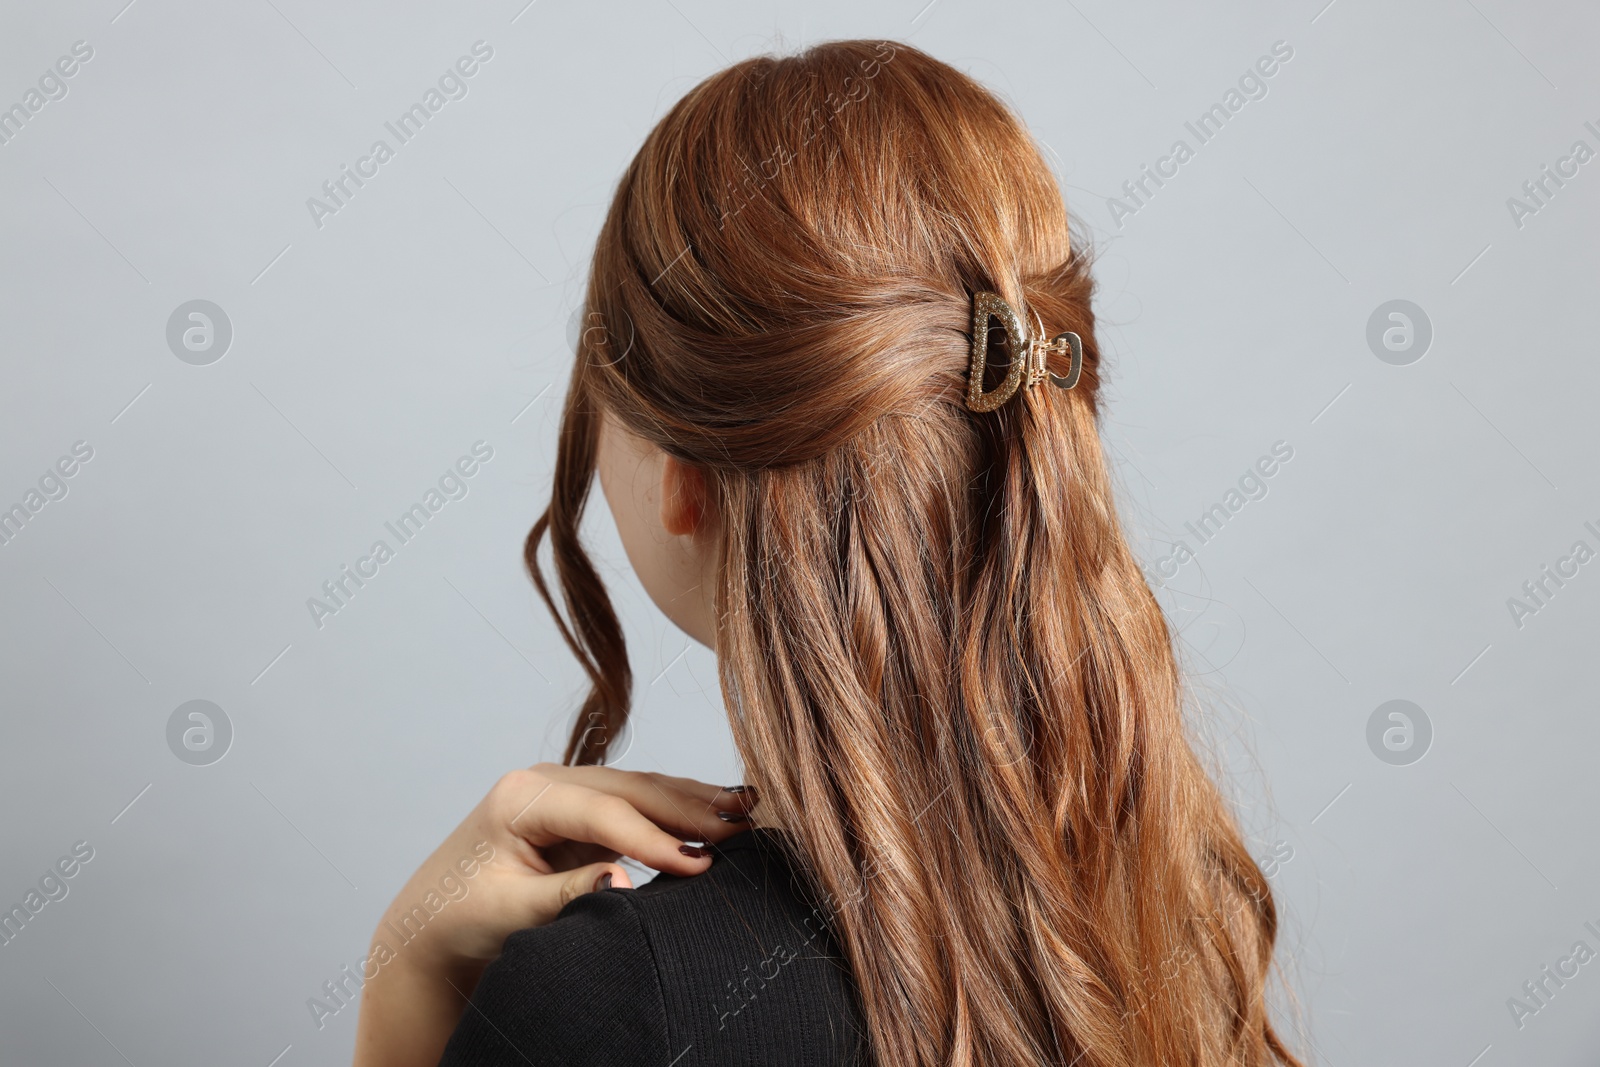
(603, 882)
(737, 789)
(694, 852)
(733, 816)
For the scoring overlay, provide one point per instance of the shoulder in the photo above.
(563, 992)
(734, 966)
(750, 972)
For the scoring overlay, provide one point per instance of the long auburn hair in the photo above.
(944, 669)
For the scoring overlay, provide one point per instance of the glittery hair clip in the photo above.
(1027, 354)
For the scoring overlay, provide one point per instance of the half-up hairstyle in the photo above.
(943, 667)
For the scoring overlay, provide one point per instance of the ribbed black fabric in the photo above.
(734, 966)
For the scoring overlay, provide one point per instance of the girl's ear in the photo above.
(683, 498)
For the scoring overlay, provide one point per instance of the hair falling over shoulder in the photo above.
(944, 669)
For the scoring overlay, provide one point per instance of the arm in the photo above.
(408, 1012)
(539, 840)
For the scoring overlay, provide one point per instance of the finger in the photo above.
(571, 812)
(723, 797)
(658, 798)
(548, 894)
(686, 813)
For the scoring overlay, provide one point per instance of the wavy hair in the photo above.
(944, 669)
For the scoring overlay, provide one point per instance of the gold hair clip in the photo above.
(1028, 354)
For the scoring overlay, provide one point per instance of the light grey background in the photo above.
(433, 311)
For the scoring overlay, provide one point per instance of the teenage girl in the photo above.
(839, 381)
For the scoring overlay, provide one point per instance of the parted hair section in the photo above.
(942, 664)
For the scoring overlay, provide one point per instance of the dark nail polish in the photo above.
(694, 852)
(733, 816)
(603, 882)
(747, 793)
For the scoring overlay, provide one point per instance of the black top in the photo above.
(733, 966)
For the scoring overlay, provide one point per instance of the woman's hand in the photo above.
(542, 837)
